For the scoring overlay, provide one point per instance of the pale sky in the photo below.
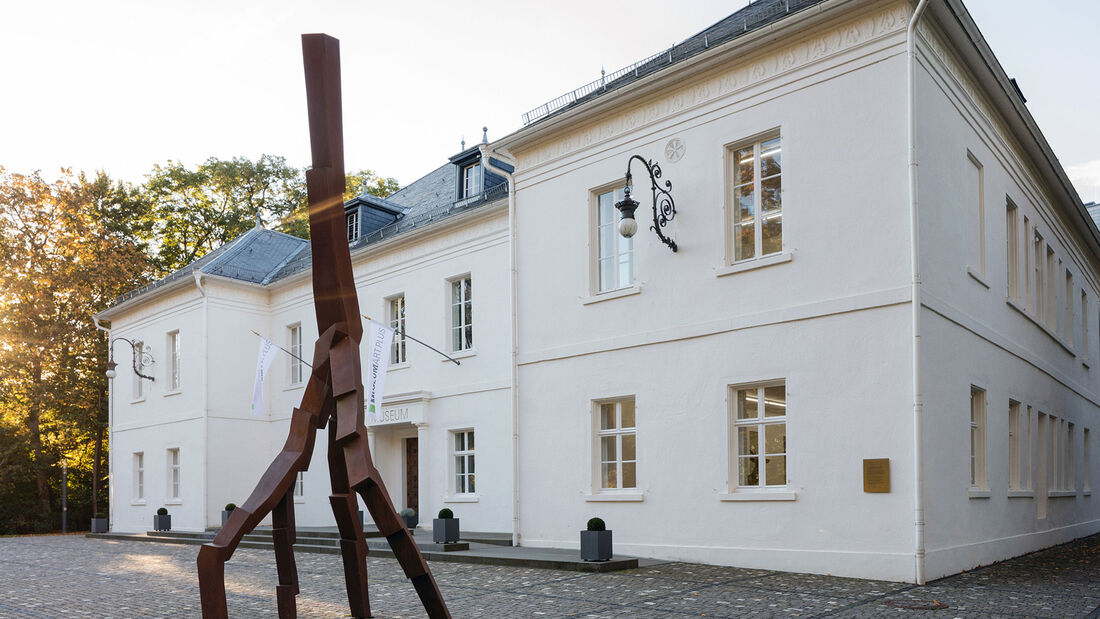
(120, 86)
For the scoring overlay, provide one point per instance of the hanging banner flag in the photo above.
(377, 355)
(267, 355)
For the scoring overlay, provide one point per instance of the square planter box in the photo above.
(596, 545)
(162, 523)
(226, 513)
(444, 530)
(99, 525)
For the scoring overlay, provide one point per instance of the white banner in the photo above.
(268, 349)
(379, 341)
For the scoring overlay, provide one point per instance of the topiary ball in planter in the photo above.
(227, 512)
(596, 541)
(99, 523)
(445, 528)
(409, 516)
(162, 521)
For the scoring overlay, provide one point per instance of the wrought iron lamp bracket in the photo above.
(664, 206)
(146, 358)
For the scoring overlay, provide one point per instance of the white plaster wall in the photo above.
(972, 336)
(162, 419)
(833, 321)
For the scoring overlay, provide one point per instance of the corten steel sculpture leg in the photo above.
(333, 394)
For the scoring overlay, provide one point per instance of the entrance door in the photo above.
(412, 477)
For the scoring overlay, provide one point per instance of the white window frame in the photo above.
(300, 487)
(351, 225)
(1084, 350)
(980, 215)
(616, 434)
(1012, 249)
(471, 180)
(979, 478)
(295, 366)
(1014, 444)
(139, 477)
(1071, 458)
(731, 226)
(463, 462)
(172, 372)
(138, 384)
(175, 474)
(622, 251)
(464, 328)
(760, 422)
(395, 312)
(1086, 456)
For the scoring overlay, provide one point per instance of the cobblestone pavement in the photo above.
(72, 576)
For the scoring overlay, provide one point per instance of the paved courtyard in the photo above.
(72, 576)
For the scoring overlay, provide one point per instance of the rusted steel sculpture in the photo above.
(334, 394)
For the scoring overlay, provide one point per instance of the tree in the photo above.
(66, 249)
(196, 211)
(355, 183)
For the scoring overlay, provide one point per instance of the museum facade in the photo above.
(873, 352)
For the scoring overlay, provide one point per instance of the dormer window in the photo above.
(471, 181)
(352, 218)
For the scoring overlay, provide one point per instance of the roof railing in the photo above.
(556, 104)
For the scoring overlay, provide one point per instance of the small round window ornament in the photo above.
(674, 150)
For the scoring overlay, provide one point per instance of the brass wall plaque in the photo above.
(876, 475)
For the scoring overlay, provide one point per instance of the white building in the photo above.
(731, 402)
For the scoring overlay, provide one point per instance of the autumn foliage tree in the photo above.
(66, 248)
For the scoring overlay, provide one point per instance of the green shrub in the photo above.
(408, 512)
(446, 513)
(596, 524)
(230, 507)
(163, 511)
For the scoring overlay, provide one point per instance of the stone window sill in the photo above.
(1021, 494)
(460, 354)
(173, 392)
(614, 497)
(978, 277)
(759, 495)
(1054, 494)
(174, 502)
(755, 263)
(976, 493)
(618, 293)
(399, 366)
(462, 498)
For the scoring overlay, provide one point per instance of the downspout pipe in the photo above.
(110, 432)
(205, 396)
(914, 240)
(514, 329)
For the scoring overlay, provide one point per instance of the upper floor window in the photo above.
(755, 200)
(615, 256)
(294, 345)
(760, 435)
(975, 210)
(174, 361)
(1012, 249)
(352, 220)
(397, 322)
(462, 314)
(139, 382)
(300, 485)
(471, 180)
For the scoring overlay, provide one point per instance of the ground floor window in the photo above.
(174, 474)
(464, 462)
(139, 476)
(617, 444)
(759, 421)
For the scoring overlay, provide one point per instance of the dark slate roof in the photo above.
(253, 257)
(424, 201)
(1094, 211)
(756, 15)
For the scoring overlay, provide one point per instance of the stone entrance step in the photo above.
(492, 551)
